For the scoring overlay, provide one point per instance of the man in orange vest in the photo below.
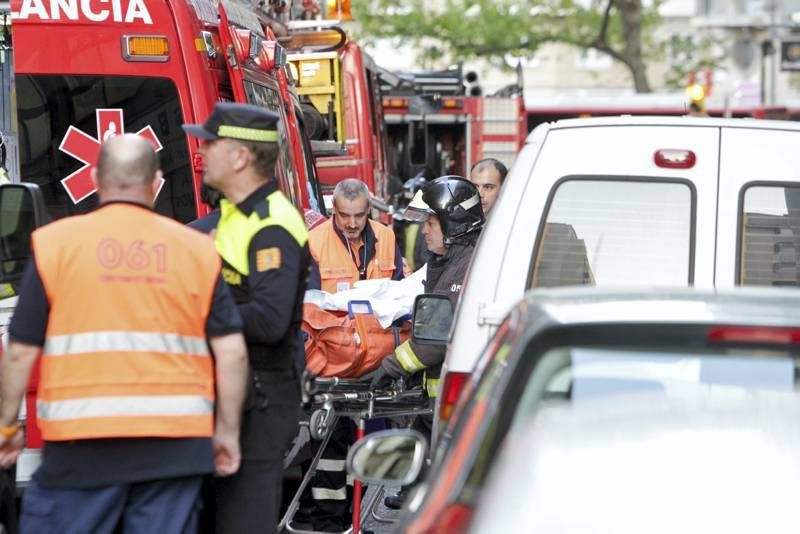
(346, 248)
(123, 304)
(349, 246)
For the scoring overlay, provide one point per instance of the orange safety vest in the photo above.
(336, 267)
(125, 353)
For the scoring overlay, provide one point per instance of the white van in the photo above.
(667, 201)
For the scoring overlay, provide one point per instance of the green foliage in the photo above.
(688, 53)
(492, 29)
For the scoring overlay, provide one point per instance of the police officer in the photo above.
(262, 239)
(450, 209)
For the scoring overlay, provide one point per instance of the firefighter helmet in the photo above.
(412, 185)
(454, 201)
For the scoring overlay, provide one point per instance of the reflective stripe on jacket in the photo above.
(444, 276)
(125, 353)
(336, 266)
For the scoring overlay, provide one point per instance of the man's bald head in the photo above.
(126, 169)
(127, 161)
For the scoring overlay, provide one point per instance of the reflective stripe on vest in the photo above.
(125, 353)
(336, 266)
(412, 231)
(124, 406)
(125, 342)
(235, 229)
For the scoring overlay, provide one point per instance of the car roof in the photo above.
(586, 305)
(662, 465)
(664, 120)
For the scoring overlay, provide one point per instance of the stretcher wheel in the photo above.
(319, 423)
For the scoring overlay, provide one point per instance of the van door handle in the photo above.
(491, 314)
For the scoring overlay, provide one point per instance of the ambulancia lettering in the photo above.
(85, 10)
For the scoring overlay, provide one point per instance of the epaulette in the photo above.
(262, 208)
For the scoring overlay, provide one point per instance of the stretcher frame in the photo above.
(328, 400)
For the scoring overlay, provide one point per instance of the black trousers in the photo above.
(249, 501)
(327, 501)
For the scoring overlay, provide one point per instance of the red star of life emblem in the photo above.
(86, 148)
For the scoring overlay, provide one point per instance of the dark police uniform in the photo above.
(263, 244)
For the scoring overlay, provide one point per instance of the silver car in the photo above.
(585, 348)
(656, 465)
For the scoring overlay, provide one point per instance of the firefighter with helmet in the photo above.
(450, 210)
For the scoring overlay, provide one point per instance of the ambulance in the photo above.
(86, 70)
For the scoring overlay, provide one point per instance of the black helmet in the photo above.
(412, 185)
(454, 201)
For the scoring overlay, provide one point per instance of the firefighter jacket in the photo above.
(265, 261)
(337, 266)
(445, 276)
(125, 351)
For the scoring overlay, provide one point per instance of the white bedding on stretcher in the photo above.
(390, 299)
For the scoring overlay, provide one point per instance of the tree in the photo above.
(495, 28)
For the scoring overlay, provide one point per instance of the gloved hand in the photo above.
(383, 376)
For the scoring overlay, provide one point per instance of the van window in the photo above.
(315, 199)
(47, 105)
(268, 98)
(769, 236)
(615, 232)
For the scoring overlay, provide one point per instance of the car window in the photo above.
(268, 98)
(516, 383)
(59, 116)
(616, 232)
(587, 375)
(769, 236)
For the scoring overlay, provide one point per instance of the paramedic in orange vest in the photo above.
(349, 246)
(126, 307)
(346, 248)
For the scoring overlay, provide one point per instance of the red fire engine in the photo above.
(436, 129)
(339, 86)
(89, 69)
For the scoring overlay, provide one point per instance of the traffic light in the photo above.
(338, 10)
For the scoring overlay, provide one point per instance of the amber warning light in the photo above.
(145, 48)
(675, 158)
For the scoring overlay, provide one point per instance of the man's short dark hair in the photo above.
(486, 162)
(264, 157)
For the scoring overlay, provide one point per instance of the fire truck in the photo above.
(8, 153)
(437, 127)
(339, 87)
(549, 108)
(86, 70)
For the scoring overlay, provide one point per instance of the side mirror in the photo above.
(433, 315)
(22, 210)
(388, 457)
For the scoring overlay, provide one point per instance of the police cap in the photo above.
(243, 122)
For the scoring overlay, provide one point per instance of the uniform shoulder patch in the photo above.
(268, 259)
